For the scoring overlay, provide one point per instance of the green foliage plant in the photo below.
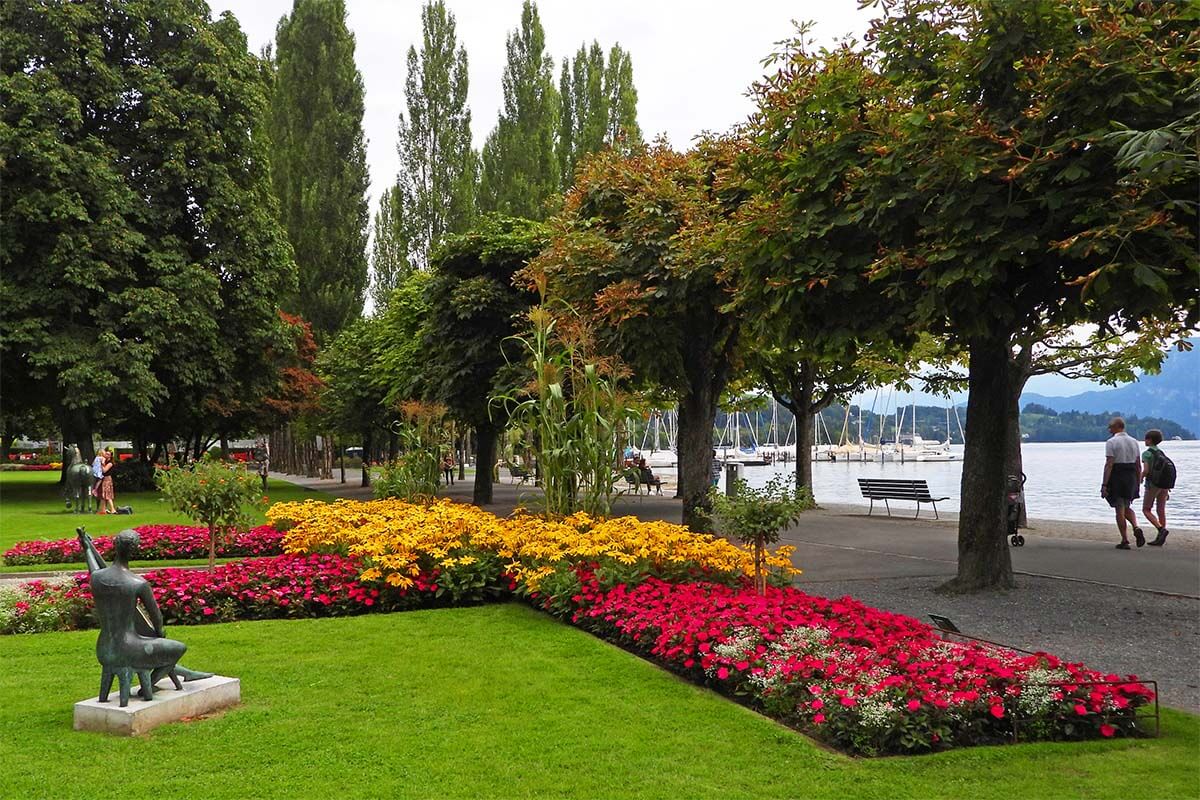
(215, 495)
(575, 411)
(423, 436)
(757, 516)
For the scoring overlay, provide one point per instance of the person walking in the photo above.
(106, 485)
(448, 469)
(1122, 473)
(1155, 495)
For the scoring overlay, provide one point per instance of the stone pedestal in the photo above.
(169, 705)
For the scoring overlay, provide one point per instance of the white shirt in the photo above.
(1123, 449)
(98, 467)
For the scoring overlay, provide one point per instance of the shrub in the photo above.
(133, 475)
(213, 494)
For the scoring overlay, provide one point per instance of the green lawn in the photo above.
(32, 508)
(494, 701)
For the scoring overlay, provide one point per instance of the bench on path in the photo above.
(516, 472)
(893, 489)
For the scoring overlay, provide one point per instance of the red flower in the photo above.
(1107, 730)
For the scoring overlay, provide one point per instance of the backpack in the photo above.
(1162, 471)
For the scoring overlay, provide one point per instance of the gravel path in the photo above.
(1152, 636)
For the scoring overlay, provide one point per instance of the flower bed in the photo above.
(861, 679)
(261, 588)
(158, 542)
(29, 467)
(400, 540)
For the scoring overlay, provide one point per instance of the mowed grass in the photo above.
(31, 507)
(491, 702)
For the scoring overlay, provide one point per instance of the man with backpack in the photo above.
(1159, 473)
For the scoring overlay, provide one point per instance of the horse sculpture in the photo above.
(78, 484)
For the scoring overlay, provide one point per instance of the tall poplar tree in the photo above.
(438, 168)
(599, 107)
(389, 247)
(319, 161)
(519, 166)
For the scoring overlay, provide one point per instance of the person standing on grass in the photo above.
(1122, 473)
(106, 485)
(1155, 495)
(97, 472)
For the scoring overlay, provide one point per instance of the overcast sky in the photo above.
(692, 61)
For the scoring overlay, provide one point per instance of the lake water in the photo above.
(1063, 481)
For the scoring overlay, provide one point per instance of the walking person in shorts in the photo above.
(1155, 495)
(1122, 474)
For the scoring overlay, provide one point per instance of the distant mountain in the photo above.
(1172, 394)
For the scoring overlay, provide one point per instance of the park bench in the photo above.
(517, 472)
(634, 481)
(892, 489)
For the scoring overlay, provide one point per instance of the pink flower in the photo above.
(818, 718)
(722, 673)
(1107, 730)
(913, 705)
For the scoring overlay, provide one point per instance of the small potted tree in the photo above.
(215, 495)
(756, 517)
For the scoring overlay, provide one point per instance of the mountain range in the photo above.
(1174, 393)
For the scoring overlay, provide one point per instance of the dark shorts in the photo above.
(1122, 485)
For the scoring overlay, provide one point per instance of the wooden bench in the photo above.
(891, 489)
(516, 472)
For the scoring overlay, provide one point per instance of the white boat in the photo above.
(660, 458)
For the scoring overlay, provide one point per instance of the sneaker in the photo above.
(1161, 538)
(1123, 546)
(1139, 537)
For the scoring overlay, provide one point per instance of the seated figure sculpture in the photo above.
(131, 635)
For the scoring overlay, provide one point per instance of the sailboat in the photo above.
(932, 451)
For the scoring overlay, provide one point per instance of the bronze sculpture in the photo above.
(131, 635)
(78, 483)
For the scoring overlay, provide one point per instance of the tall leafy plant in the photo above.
(575, 412)
(423, 435)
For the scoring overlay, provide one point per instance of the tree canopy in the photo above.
(474, 307)
(973, 139)
(142, 260)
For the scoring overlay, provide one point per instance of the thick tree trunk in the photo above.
(6, 443)
(983, 557)
(485, 457)
(804, 443)
(697, 414)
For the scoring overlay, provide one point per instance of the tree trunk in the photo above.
(485, 456)
(983, 557)
(223, 438)
(697, 414)
(804, 443)
(6, 443)
(367, 444)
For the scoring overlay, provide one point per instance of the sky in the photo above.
(693, 62)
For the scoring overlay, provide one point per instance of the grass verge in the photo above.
(32, 508)
(493, 701)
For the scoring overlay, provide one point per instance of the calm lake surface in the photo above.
(1063, 481)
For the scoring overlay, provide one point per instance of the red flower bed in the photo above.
(261, 588)
(158, 542)
(862, 679)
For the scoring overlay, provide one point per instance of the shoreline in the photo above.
(1188, 538)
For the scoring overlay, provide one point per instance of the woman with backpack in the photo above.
(1159, 474)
